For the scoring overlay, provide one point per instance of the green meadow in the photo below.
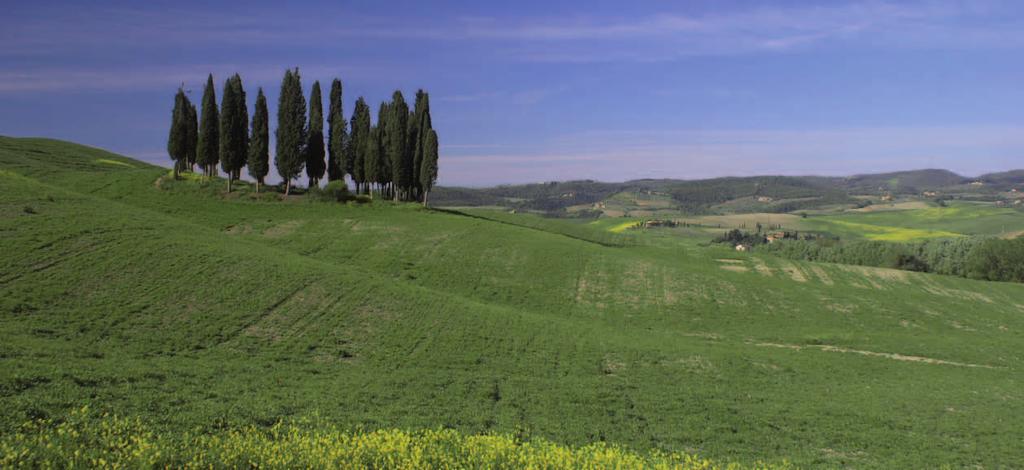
(201, 313)
(957, 219)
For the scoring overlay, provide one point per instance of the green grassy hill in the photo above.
(199, 311)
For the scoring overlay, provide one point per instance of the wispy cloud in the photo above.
(658, 37)
(520, 97)
(617, 155)
(167, 76)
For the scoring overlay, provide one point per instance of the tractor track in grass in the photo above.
(893, 356)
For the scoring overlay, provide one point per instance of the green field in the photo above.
(195, 311)
(957, 219)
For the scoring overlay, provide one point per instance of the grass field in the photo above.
(200, 312)
(910, 221)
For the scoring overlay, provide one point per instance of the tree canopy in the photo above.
(234, 122)
(208, 141)
(315, 164)
(291, 128)
(259, 141)
(337, 165)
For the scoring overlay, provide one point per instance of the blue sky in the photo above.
(534, 91)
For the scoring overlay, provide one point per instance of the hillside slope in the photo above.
(173, 301)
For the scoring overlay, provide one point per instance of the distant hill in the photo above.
(903, 181)
(777, 193)
(1004, 180)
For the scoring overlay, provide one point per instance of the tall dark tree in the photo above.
(381, 167)
(419, 127)
(234, 123)
(191, 135)
(359, 142)
(315, 164)
(371, 166)
(428, 172)
(291, 129)
(259, 141)
(337, 140)
(398, 146)
(177, 139)
(208, 143)
(243, 128)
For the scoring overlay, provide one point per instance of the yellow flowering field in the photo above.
(85, 439)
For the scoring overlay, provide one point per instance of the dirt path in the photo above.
(893, 356)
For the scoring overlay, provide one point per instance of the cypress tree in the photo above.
(291, 129)
(359, 142)
(208, 142)
(419, 127)
(337, 141)
(397, 148)
(192, 135)
(259, 141)
(177, 139)
(315, 164)
(428, 172)
(234, 120)
(243, 127)
(382, 173)
(372, 164)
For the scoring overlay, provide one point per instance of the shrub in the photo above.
(335, 191)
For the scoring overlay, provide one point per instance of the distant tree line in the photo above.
(990, 259)
(395, 157)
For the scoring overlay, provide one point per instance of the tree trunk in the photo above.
(230, 177)
(425, 192)
(257, 186)
(287, 186)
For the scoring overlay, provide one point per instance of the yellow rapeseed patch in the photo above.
(87, 440)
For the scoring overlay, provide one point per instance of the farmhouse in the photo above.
(742, 247)
(660, 223)
(930, 193)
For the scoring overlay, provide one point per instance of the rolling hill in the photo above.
(199, 311)
(774, 194)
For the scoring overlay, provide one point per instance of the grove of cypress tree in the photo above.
(428, 172)
(234, 123)
(291, 129)
(359, 142)
(337, 140)
(208, 142)
(192, 135)
(177, 139)
(315, 164)
(259, 141)
(397, 145)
